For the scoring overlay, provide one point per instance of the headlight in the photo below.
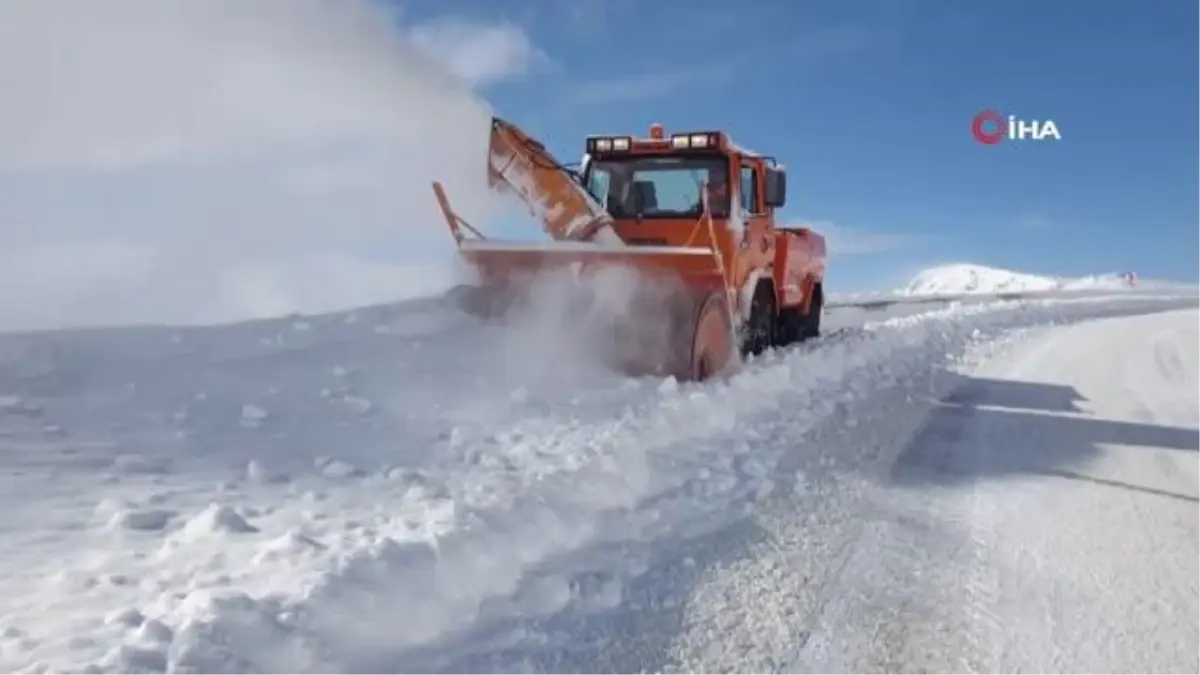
(697, 141)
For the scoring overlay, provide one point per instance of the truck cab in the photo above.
(665, 190)
(655, 190)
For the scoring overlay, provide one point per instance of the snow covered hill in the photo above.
(403, 488)
(968, 278)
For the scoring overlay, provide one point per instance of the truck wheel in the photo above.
(793, 327)
(761, 333)
(788, 327)
(811, 322)
(710, 348)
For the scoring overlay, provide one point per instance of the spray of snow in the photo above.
(570, 326)
(194, 162)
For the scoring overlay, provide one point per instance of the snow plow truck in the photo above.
(689, 212)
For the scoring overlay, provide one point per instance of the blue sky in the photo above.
(869, 103)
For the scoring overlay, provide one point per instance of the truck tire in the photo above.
(761, 330)
(793, 327)
(812, 320)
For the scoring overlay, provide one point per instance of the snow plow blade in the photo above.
(499, 263)
(675, 318)
(657, 327)
(502, 263)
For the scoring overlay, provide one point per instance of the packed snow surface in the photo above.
(406, 488)
(969, 278)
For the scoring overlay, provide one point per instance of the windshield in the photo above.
(658, 187)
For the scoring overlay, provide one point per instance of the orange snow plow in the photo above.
(691, 214)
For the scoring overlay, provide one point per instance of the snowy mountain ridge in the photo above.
(967, 278)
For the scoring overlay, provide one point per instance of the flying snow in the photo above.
(195, 162)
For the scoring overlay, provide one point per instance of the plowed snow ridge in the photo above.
(369, 491)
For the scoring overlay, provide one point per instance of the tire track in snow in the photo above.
(1012, 623)
(820, 642)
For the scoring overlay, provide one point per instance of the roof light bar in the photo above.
(609, 144)
(695, 141)
(687, 141)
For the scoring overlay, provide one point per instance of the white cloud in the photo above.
(216, 160)
(480, 54)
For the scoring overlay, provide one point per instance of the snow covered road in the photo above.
(1042, 519)
(372, 491)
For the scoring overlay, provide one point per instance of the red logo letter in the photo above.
(989, 137)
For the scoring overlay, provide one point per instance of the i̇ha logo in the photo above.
(990, 127)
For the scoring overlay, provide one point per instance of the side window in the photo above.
(748, 195)
(598, 185)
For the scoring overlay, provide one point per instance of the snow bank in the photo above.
(963, 278)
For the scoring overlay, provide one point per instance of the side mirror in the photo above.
(776, 185)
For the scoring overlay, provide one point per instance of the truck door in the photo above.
(756, 244)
